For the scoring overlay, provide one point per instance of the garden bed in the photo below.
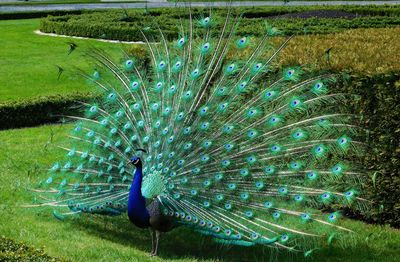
(126, 25)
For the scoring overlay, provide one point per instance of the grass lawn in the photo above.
(26, 153)
(28, 61)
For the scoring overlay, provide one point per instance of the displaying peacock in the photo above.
(203, 135)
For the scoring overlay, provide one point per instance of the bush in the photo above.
(36, 14)
(127, 25)
(13, 251)
(39, 110)
(380, 110)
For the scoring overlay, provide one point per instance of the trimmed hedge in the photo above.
(40, 110)
(379, 106)
(14, 251)
(37, 14)
(126, 25)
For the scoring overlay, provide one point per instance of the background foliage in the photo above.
(126, 24)
(378, 105)
(40, 110)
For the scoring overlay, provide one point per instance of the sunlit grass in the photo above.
(28, 61)
(25, 154)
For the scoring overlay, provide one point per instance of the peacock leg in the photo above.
(158, 233)
(152, 241)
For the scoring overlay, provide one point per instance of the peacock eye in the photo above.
(129, 62)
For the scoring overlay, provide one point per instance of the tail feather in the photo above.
(246, 157)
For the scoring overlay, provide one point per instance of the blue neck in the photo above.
(137, 211)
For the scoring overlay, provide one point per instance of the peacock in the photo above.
(207, 132)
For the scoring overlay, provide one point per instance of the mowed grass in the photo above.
(25, 154)
(28, 61)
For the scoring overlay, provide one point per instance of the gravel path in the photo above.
(68, 7)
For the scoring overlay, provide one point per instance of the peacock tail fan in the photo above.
(232, 150)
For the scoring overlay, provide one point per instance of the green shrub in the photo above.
(36, 14)
(379, 106)
(13, 251)
(39, 110)
(127, 25)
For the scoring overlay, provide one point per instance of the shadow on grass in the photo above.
(181, 243)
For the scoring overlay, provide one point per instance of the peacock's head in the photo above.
(136, 161)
